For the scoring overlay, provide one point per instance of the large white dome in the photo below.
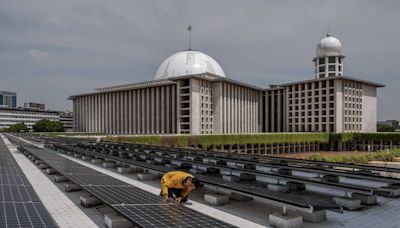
(187, 63)
(329, 46)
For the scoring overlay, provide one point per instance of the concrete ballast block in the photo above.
(86, 158)
(215, 199)
(109, 164)
(145, 176)
(97, 161)
(347, 203)
(89, 201)
(389, 191)
(124, 169)
(197, 171)
(279, 220)
(365, 199)
(60, 178)
(113, 220)
(72, 187)
(51, 171)
(230, 178)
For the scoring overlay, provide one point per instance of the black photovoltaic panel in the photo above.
(168, 216)
(95, 180)
(123, 195)
(75, 170)
(19, 204)
(17, 214)
(13, 180)
(10, 170)
(18, 193)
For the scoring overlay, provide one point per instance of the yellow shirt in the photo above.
(174, 179)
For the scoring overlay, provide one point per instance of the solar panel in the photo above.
(168, 215)
(17, 214)
(123, 195)
(18, 193)
(13, 180)
(95, 180)
(19, 204)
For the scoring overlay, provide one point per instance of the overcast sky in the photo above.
(51, 49)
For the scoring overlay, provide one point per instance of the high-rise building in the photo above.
(8, 99)
(191, 94)
(35, 106)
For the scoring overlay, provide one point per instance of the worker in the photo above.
(178, 185)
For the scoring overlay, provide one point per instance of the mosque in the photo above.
(191, 94)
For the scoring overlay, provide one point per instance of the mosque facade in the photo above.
(192, 95)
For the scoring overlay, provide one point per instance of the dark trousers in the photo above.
(175, 193)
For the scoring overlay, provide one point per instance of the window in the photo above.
(332, 59)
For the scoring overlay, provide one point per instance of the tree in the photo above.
(18, 127)
(385, 128)
(45, 125)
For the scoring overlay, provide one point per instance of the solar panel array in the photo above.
(143, 208)
(19, 204)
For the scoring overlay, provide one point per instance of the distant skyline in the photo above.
(50, 50)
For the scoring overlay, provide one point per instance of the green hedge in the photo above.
(346, 137)
(386, 156)
(226, 139)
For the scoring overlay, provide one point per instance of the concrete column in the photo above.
(168, 110)
(174, 109)
(126, 113)
(129, 105)
(103, 112)
(279, 127)
(148, 109)
(163, 109)
(157, 110)
(273, 129)
(152, 111)
(118, 113)
(195, 107)
(224, 108)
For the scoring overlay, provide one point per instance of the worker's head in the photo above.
(192, 183)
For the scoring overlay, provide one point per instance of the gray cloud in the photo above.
(52, 49)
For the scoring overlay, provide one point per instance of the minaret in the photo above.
(329, 60)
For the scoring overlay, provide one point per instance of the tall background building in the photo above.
(35, 106)
(192, 95)
(8, 99)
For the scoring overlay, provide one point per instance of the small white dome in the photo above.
(187, 63)
(329, 46)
